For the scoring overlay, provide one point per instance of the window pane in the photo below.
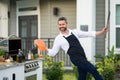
(24, 28)
(34, 28)
(117, 14)
(117, 37)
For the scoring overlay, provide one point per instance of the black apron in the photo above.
(75, 51)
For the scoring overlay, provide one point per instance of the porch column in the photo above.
(86, 16)
(4, 18)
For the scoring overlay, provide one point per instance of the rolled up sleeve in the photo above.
(86, 33)
(56, 47)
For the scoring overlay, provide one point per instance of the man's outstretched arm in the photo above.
(103, 31)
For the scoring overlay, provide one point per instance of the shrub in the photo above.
(106, 65)
(117, 66)
(2, 52)
(117, 62)
(54, 70)
(106, 69)
(117, 57)
(108, 73)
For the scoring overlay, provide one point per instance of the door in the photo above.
(28, 31)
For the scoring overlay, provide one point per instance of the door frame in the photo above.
(25, 4)
(29, 40)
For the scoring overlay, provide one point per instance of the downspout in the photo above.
(107, 38)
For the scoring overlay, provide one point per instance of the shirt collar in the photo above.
(68, 34)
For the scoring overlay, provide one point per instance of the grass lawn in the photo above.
(69, 76)
(66, 76)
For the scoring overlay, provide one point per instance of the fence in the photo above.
(60, 55)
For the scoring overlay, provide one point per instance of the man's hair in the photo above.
(62, 18)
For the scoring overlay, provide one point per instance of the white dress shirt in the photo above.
(61, 42)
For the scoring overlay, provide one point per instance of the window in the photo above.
(117, 37)
(28, 9)
(117, 26)
(117, 14)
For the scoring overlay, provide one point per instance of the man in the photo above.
(68, 41)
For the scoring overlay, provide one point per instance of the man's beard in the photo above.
(63, 29)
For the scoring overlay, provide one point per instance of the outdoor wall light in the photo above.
(55, 11)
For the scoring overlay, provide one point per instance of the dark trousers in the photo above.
(84, 68)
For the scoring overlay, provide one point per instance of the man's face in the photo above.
(62, 25)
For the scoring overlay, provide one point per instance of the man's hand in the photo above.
(103, 31)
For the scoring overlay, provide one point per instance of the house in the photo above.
(31, 19)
